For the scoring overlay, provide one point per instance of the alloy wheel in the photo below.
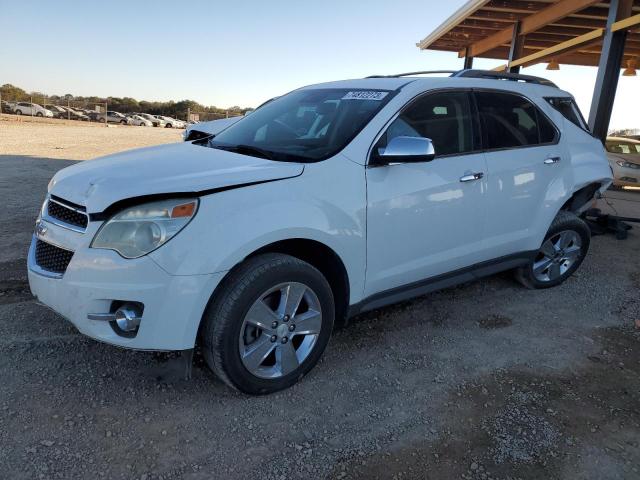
(280, 330)
(557, 255)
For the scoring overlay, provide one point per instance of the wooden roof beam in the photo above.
(531, 23)
(557, 50)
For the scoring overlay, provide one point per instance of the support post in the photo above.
(604, 92)
(468, 60)
(516, 49)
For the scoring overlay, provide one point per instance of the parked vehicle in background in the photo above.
(28, 108)
(117, 117)
(95, 116)
(75, 114)
(140, 121)
(200, 130)
(624, 157)
(157, 122)
(6, 107)
(58, 112)
(171, 122)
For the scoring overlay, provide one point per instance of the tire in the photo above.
(168, 125)
(39, 114)
(229, 334)
(123, 122)
(564, 248)
(18, 112)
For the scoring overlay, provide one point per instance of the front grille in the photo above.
(67, 214)
(52, 258)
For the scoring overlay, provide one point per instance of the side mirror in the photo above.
(406, 150)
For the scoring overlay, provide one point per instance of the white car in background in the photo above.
(156, 122)
(170, 122)
(28, 108)
(624, 158)
(140, 121)
(330, 201)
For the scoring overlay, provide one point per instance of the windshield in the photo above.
(620, 146)
(303, 126)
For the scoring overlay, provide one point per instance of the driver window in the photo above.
(443, 117)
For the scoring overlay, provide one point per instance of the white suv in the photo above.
(328, 201)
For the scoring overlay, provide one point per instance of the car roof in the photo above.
(432, 82)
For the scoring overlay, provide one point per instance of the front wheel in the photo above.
(39, 114)
(561, 253)
(268, 324)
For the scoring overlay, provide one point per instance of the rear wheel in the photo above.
(18, 112)
(561, 253)
(268, 324)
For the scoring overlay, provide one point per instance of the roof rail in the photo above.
(409, 74)
(514, 77)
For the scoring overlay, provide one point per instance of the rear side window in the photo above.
(511, 121)
(569, 109)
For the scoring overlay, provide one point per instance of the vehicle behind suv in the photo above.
(327, 202)
(624, 158)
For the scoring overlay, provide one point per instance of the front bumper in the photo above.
(95, 278)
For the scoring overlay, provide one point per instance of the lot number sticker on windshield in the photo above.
(365, 95)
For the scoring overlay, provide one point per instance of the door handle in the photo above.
(551, 160)
(471, 177)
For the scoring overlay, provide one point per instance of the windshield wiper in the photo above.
(247, 149)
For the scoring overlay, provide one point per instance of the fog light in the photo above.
(128, 318)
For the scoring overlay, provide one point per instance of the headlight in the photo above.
(622, 163)
(139, 230)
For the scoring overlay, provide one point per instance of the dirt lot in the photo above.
(74, 140)
(486, 380)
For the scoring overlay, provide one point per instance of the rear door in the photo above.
(525, 163)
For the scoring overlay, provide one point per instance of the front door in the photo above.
(425, 219)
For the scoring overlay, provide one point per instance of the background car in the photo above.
(28, 108)
(171, 122)
(157, 122)
(117, 117)
(624, 158)
(6, 107)
(95, 116)
(58, 112)
(75, 114)
(140, 121)
(200, 130)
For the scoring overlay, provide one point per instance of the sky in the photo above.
(237, 53)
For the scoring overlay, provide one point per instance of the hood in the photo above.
(176, 168)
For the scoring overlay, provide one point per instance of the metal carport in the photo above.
(524, 33)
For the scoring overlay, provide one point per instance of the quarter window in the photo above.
(568, 108)
(511, 121)
(443, 117)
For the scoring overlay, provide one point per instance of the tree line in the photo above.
(179, 109)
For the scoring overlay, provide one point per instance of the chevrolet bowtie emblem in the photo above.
(41, 229)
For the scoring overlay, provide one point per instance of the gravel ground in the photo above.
(485, 380)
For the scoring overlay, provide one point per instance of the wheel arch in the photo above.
(580, 198)
(322, 257)
(317, 254)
